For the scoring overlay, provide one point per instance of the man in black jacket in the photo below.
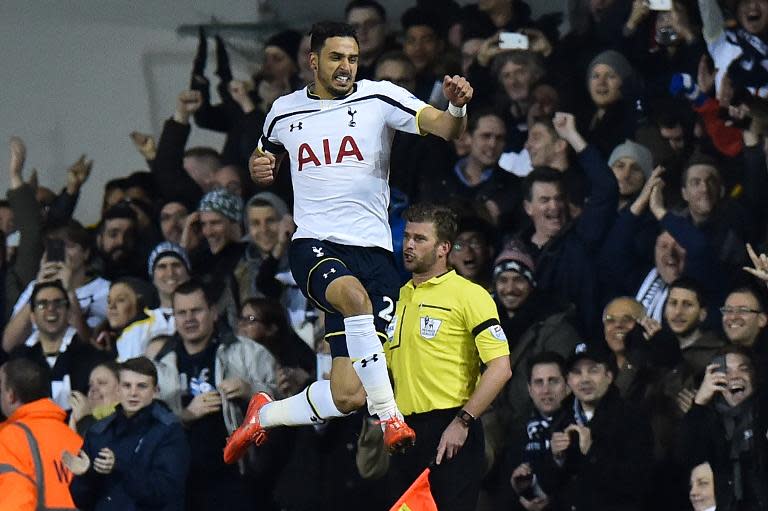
(601, 446)
(727, 427)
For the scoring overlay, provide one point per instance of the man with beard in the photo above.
(533, 322)
(338, 134)
(116, 244)
(727, 427)
(685, 312)
(443, 325)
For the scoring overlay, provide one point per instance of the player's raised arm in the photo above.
(448, 124)
(263, 166)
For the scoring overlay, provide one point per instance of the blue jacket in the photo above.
(151, 463)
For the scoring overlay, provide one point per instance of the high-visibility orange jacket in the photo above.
(19, 483)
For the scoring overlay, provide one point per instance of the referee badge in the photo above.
(391, 328)
(498, 333)
(429, 326)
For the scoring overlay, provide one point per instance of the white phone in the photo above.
(660, 5)
(513, 41)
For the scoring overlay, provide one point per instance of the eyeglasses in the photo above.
(250, 319)
(59, 303)
(739, 310)
(610, 319)
(473, 244)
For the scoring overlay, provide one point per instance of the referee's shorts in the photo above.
(455, 483)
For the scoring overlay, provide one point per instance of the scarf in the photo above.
(737, 421)
(653, 294)
(750, 69)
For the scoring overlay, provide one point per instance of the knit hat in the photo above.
(636, 152)
(279, 205)
(615, 61)
(514, 259)
(223, 202)
(288, 41)
(164, 249)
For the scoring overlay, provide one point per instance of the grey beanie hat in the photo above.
(281, 208)
(615, 61)
(639, 153)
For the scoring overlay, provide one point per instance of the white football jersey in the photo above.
(339, 151)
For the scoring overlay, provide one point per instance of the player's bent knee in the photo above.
(349, 297)
(348, 402)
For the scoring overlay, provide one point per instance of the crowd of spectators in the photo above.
(610, 191)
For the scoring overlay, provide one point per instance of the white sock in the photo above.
(368, 359)
(311, 406)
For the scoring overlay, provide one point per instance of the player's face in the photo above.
(420, 247)
(335, 67)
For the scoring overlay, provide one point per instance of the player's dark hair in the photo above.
(545, 357)
(445, 220)
(691, 285)
(29, 380)
(541, 175)
(72, 231)
(326, 29)
(366, 4)
(140, 365)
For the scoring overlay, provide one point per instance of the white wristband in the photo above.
(456, 111)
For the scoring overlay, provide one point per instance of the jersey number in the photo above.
(386, 312)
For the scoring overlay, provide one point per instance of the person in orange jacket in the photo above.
(32, 441)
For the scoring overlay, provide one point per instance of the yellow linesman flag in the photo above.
(418, 497)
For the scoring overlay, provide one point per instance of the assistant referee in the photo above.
(444, 329)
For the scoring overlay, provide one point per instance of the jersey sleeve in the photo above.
(402, 108)
(483, 321)
(269, 142)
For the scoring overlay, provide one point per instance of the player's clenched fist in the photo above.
(262, 168)
(457, 89)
